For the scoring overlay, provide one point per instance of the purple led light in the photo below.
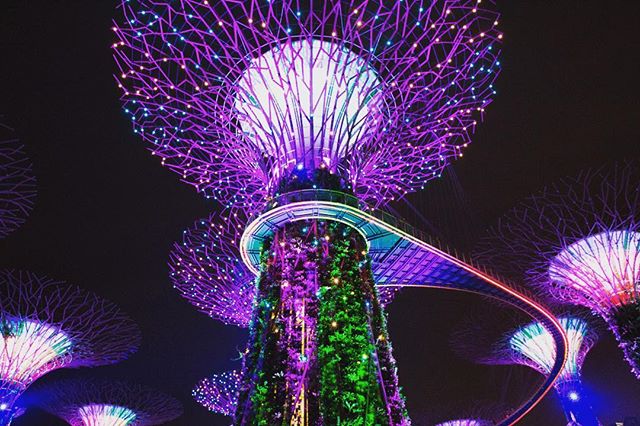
(233, 95)
(579, 240)
(207, 270)
(85, 402)
(219, 393)
(45, 325)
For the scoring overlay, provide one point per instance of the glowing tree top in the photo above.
(580, 240)
(17, 183)
(219, 393)
(467, 422)
(533, 345)
(45, 325)
(237, 95)
(99, 403)
(207, 270)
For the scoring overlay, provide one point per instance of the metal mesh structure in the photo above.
(219, 393)
(46, 325)
(249, 100)
(207, 270)
(233, 96)
(533, 346)
(101, 403)
(467, 422)
(580, 241)
(17, 183)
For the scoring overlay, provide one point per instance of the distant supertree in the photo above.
(580, 241)
(467, 422)
(17, 183)
(533, 346)
(101, 403)
(46, 325)
(219, 393)
(249, 100)
(207, 270)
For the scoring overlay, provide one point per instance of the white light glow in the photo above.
(307, 102)
(536, 344)
(29, 349)
(604, 268)
(466, 422)
(106, 415)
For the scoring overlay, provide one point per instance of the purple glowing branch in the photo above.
(45, 325)
(17, 183)
(579, 239)
(467, 422)
(100, 403)
(533, 345)
(219, 393)
(499, 341)
(234, 95)
(207, 270)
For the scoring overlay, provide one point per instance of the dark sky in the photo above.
(107, 211)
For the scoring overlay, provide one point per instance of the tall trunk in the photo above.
(318, 351)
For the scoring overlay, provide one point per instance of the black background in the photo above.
(107, 212)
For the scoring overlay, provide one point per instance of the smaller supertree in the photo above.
(207, 270)
(533, 346)
(45, 325)
(467, 422)
(17, 183)
(580, 241)
(101, 403)
(219, 393)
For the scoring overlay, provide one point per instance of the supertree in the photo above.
(280, 109)
(580, 241)
(467, 422)
(219, 393)
(17, 183)
(46, 325)
(102, 403)
(532, 345)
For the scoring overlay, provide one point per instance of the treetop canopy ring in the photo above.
(232, 95)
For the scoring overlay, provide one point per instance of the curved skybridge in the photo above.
(400, 257)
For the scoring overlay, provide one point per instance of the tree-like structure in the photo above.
(234, 96)
(17, 183)
(532, 345)
(248, 100)
(580, 241)
(101, 403)
(219, 393)
(207, 270)
(467, 422)
(46, 325)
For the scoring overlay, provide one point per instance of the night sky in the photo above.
(107, 212)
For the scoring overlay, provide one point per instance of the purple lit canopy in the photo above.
(219, 393)
(84, 403)
(46, 325)
(235, 95)
(580, 241)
